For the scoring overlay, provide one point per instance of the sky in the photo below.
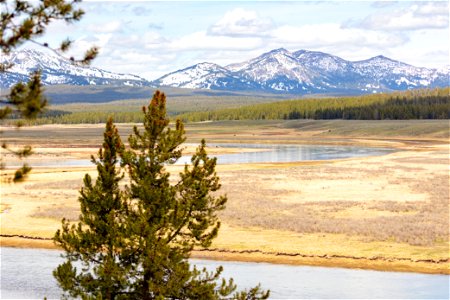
(153, 38)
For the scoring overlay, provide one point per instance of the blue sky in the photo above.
(152, 38)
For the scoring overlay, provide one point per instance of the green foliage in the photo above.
(420, 107)
(23, 21)
(91, 117)
(135, 243)
(28, 101)
(28, 98)
(98, 239)
(431, 104)
(20, 174)
(95, 104)
(103, 94)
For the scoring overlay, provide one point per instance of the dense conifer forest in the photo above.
(414, 104)
(422, 107)
(417, 104)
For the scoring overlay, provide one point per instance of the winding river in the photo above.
(27, 273)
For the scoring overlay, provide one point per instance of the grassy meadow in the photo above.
(415, 104)
(384, 212)
(93, 105)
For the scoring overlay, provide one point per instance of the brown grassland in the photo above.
(387, 212)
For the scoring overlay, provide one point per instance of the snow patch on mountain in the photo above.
(193, 76)
(58, 70)
(305, 72)
(277, 71)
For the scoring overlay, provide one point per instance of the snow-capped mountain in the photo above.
(282, 71)
(204, 76)
(277, 71)
(58, 70)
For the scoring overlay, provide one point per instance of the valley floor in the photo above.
(386, 212)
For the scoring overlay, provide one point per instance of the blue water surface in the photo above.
(27, 274)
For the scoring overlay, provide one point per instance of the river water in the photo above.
(264, 153)
(27, 274)
(290, 153)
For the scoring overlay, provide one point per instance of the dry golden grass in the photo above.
(278, 246)
(387, 212)
(377, 198)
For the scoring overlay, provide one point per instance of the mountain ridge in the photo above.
(308, 72)
(278, 71)
(58, 70)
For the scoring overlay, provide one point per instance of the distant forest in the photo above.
(414, 104)
(422, 107)
(417, 104)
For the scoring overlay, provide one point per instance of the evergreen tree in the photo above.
(22, 21)
(135, 243)
(97, 240)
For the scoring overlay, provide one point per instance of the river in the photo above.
(27, 273)
(264, 153)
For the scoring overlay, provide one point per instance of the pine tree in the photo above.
(98, 239)
(135, 243)
(170, 219)
(22, 21)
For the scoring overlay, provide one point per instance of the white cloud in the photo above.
(83, 43)
(418, 16)
(202, 41)
(153, 40)
(241, 22)
(136, 61)
(108, 27)
(142, 10)
(293, 37)
(423, 57)
(152, 47)
(383, 3)
(138, 42)
(431, 9)
(320, 35)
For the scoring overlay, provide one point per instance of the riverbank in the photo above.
(283, 281)
(383, 212)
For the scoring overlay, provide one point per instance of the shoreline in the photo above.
(287, 185)
(293, 259)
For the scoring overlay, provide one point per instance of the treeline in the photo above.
(417, 104)
(96, 117)
(52, 113)
(428, 107)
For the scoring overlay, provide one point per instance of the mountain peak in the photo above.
(306, 72)
(276, 71)
(56, 69)
(309, 53)
(205, 65)
(197, 76)
(381, 58)
(275, 51)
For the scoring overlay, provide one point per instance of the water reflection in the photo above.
(291, 153)
(262, 154)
